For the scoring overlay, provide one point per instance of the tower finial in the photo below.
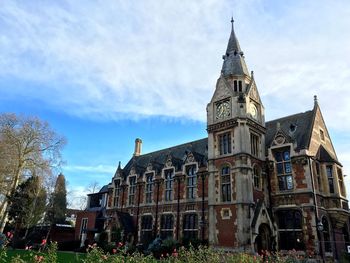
(232, 22)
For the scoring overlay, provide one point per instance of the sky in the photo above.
(103, 73)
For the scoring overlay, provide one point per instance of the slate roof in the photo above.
(301, 123)
(178, 154)
(324, 156)
(234, 63)
(297, 127)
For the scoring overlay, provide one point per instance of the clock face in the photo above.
(223, 109)
(253, 111)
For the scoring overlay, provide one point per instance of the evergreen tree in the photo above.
(27, 204)
(59, 201)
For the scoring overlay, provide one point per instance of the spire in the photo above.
(234, 63)
(233, 44)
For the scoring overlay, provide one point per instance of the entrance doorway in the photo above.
(263, 240)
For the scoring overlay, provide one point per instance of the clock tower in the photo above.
(236, 151)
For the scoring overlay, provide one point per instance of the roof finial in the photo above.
(315, 100)
(232, 21)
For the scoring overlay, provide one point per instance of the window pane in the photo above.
(288, 168)
(286, 156)
(289, 182)
(280, 168)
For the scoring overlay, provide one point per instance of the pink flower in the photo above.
(114, 250)
(175, 254)
(43, 243)
(120, 244)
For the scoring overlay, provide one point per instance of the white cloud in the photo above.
(97, 169)
(121, 59)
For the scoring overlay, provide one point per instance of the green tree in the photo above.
(58, 207)
(27, 145)
(27, 204)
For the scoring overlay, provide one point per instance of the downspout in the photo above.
(203, 216)
(137, 213)
(178, 209)
(156, 221)
(316, 209)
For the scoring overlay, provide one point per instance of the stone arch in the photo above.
(263, 240)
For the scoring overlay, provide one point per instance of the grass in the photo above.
(63, 257)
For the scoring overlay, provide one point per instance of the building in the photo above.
(250, 185)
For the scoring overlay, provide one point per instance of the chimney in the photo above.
(138, 145)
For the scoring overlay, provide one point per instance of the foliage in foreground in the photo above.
(48, 254)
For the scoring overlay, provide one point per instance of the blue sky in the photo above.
(105, 72)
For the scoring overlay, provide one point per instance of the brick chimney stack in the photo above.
(138, 146)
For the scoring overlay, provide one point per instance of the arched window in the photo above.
(257, 177)
(326, 235)
(290, 230)
(226, 184)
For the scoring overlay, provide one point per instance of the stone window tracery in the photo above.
(169, 179)
(284, 169)
(191, 181)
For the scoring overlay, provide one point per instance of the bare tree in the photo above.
(27, 144)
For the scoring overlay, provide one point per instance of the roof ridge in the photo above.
(289, 116)
(175, 146)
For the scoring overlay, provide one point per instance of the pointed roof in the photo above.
(297, 126)
(234, 63)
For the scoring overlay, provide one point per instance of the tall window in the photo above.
(84, 222)
(166, 226)
(284, 169)
(318, 175)
(190, 226)
(254, 145)
(191, 181)
(116, 193)
(257, 178)
(169, 179)
(225, 143)
(341, 182)
(132, 190)
(290, 230)
(329, 170)
(149, 187)
(326, 235)
(146, 229)
(225, 184)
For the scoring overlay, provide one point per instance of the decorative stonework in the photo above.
(149, 167)
(225, 213)
(222, 125)
(190, 158)
(168, 162)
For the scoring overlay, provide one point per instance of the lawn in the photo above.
(63, 257)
